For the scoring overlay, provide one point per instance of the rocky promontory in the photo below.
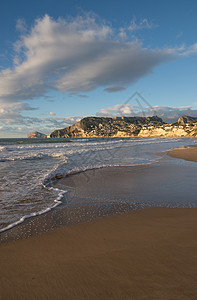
(36, 135)
(106, 127)
(186, 120)
(124, 127)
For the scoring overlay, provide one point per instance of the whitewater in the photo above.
(28, 168)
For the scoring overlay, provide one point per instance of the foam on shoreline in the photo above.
(23, 218)
(62, 171)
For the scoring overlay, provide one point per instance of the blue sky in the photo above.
(62, 60)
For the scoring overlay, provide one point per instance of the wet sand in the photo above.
(145, 254)
(187, 153)
(109, 191)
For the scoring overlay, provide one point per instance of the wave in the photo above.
(33, 157)
(2, 148)
(69, 161)
(56, 202)
(49, 180)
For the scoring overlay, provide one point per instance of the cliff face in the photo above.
(171, 131)
(35, 134)
(124, 127)
(186, 120)
(106, 127)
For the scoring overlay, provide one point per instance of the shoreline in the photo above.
(149, 253)
(66, 214)
(56, 202)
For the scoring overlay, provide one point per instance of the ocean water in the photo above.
(29, 166)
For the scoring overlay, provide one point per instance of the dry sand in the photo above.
(147, 254)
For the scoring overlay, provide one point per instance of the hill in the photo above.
(186, 120)
(124, 127)
(35, 134)
(106, 127)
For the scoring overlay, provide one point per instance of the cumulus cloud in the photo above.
(116, 110)
(72, 120)
(18, 125)
(52, 113)
(168, 114)
(21, 25)
(189, 51)
(10, 112)
(11, 118)
(143, 24)
(75, 56)
(171, 114)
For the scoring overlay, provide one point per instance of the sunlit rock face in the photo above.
(186, 120)
(35, 134)
(106, 127)
(124, 127)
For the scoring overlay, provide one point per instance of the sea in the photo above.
(28, 168)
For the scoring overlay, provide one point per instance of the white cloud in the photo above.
(10, 112)
(143, 24)
(72, 120)
(168, 114)
(12, 121)
(189, 51)
(75, 56)
(21, 25)
(116, 110)
(171, 114)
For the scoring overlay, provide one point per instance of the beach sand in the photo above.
(146, 254)
(187, 153)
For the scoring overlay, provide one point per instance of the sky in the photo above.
(62, 60)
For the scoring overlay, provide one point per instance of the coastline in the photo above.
(45, 199)
(103, 192)
(145, 254)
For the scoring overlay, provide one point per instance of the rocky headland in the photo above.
(125, 127)
(36, 135)
(106, 127)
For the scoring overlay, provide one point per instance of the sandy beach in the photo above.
(144, 254)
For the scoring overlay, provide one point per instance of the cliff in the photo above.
(128, 127)
(106, 127)
(124, 127)
(186, 120)
(35, 134)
